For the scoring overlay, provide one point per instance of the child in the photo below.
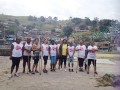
(15, 55)
(81, 55)
(53, 53)
(36, 55)
(92, 48)
(71, 51)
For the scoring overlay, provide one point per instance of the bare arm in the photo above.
(12, 46)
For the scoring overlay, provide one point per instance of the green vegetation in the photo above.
(94, 29)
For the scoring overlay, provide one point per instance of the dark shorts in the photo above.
(36, 59)
(16, 61)
(25, 58)
(58, 57)
(45, 58)
(91, 61)
(81, 61)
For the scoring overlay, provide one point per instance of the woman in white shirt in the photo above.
(81, 54)
(36, 55)
(92, 48)
(45, 52)
(15, 55)
(27, 54)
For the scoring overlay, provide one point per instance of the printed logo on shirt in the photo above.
(47, 48)
(53, 48)
(18, 47)
(81, 48)
(71, 50)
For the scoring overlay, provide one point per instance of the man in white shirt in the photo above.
(15, 55)
(53, 53)
(81, 54)
(92, 48)
(27, 47)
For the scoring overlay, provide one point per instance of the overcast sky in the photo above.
(63, 9)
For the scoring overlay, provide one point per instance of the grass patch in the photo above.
(108, 80)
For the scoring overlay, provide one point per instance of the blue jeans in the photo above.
(53, 59)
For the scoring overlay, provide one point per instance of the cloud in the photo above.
(62, 8)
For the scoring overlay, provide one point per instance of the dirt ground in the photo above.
(59, 80)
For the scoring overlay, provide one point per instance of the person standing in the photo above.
(92, 49)
(58, 54)
(63, 53)
(27, 47)
(36, 55)
(45, 52)
(81, 49)
(16, 55)
(71, 52)
(53, 53)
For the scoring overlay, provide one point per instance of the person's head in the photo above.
(64, 41)
(87, 43)
(81, 42)
(45, 41)
(52, 42)
(71, 44)
(28, 39)
(36, 41)
(92, 43)
(18, 40)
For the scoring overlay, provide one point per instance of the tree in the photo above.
(76, 21)
(17, 22)
(67, 31)
(87, 21)
(55, 18)
(42, 19)
(30, 18)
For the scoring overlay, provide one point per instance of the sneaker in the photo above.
(65, 70)
(81, 70)
(36, 71)
(16, 74)
(69, 70)
(46, 71)
(33, 72)
(10, 75)
(72, 70)
(95, 73)
(30, 71)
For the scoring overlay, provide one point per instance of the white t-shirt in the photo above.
(45, 49)
(71, 50)
(58, 46)
(28, 47)
(17, 50)
(81, 51)
(92, 55)
(53, 49)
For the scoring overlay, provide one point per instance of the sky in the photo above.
(63, 9)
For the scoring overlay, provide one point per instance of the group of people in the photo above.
(59, 52)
